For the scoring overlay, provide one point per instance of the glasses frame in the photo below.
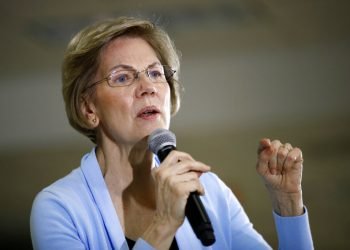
(168, 73)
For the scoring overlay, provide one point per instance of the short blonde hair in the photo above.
(81, 62)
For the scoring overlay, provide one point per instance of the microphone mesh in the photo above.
(160, 138)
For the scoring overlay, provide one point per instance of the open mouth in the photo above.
(148, 112)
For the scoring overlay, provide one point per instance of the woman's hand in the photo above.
(175, 179)
(281, 166)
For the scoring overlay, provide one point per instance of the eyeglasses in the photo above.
(126, 75)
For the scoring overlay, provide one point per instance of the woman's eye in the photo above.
(120, 78)
(155, 73)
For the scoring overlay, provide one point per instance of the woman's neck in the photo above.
(126, 168)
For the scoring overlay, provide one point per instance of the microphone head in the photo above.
(161, 138)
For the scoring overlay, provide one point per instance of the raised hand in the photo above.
(280, 166)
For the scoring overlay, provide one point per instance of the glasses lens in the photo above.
(160, 73)
(121, 78)
(156, 73)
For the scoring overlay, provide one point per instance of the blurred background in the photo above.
(250, 69)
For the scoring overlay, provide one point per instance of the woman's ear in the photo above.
(88, 110)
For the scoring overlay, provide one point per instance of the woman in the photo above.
(119, 85)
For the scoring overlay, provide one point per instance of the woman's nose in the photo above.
(144, 85)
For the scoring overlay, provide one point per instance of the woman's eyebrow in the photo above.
(121, 66)
(154, 64)
(129, 67)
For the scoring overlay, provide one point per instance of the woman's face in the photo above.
(128, 114)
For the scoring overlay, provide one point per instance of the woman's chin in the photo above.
(149, 128)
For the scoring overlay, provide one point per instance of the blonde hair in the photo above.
(81, 62)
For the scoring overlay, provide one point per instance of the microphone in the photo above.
(161, 142)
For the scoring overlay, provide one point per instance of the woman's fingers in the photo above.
(273, 156)
(185, 166)
(282, 154)
(294, 159)
(267, 156)
(176, 156)
(185, 184)
(274, 167)
(180, 163)
(263, 144)
(178, 169)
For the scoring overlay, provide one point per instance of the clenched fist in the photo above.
(280, 166)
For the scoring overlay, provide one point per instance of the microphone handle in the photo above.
(199, 219)
(194, 210)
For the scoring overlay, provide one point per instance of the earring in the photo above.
(94, 120)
